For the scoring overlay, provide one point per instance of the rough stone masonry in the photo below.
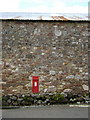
(54, 50)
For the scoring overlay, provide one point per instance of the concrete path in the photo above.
(61, 111)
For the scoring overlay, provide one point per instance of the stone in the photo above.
(54, 48)
(60, 72)
(78, 77)
(64, 94)
(85, 87)
(42, 53)
(30, 78)
(23, 95)
(70, 76)
(1, 91)
(63, 83)
(1, 82)
(35, 48)
(45, 90)
(12, 66)
(61, 55)
(58, 32)
(37, 31)
(52, 78)
(73, 100)
(67, 90)
(14, 90)
(9, 101)
(51, 89)
(16, 70)
(52, 72)
(28, 85)
(14, 97)
(21, 26)
(78, 103)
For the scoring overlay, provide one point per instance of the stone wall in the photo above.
(54, 50)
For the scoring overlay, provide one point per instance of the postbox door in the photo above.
(35, 85)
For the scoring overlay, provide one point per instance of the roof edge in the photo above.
(45, 20)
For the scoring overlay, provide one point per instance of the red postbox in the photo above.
(35, 84)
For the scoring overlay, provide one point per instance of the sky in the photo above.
(44, 6)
